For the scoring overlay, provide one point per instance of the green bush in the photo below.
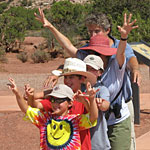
(3, 6)
(40, 56)
(23, 56)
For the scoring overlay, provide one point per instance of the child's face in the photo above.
(74, 82)
(60, 106)
(97, 73)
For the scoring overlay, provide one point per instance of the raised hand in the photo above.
(99, 102)
(90, 91)
(127, 26)
(51, 80)
(136, 77)
(42, 19)
(29, 91)
(80, 97)
(12, 86)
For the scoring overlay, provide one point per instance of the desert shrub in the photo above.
(3, 58)
(3, 6)
(23, 56)
(40, 56)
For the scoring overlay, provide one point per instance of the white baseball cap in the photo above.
(62, 91)
(94, 61)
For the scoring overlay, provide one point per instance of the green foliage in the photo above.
(3, 6)
(13, 25)
(11, 28)
(40, 56)
(67, 17)
(27, 15)
(23, 57)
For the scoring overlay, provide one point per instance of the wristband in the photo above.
(122, 39)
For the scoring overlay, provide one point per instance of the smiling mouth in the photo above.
(57, 138)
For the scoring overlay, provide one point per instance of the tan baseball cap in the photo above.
(94, 61)
(61, 91)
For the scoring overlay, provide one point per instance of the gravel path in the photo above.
(35, 80)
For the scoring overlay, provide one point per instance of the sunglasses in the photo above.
(58, 100)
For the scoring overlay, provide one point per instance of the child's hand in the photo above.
(90, 91)
(99, 102)
(12, 86)
(29, 92)
(127, 26)
(80, 97)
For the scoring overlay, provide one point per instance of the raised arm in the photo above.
(63, 40)
(21, 102)
(93, 106)
(37, 96)
(124, 30)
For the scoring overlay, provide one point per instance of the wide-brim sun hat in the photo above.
(100, 44)
(75, 66)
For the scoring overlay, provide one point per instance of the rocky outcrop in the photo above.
(43, 3)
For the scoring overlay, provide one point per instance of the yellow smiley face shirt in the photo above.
(59, 132)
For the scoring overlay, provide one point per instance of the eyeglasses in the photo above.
(58, 100)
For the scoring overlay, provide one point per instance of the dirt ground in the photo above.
(17, 134)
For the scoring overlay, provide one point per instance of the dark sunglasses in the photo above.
(58, 100)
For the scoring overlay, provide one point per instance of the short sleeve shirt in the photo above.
(77, 108)
(99, 136)
(59, 132)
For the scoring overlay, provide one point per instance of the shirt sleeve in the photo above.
(128, 51)
(81, 54)
(103, 93)
(35, 116)
(85, 123)
(46, 105)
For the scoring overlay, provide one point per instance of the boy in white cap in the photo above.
(99, 136)
(58, 130)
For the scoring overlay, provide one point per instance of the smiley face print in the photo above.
(59, 133)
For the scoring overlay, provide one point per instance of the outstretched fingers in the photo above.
(132, 23)
(129, 18)
(40, 16)
(12, 83)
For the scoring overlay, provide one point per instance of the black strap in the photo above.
(117, 94)
(120, 88)
(108, 112)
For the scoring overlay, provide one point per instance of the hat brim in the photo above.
(107, 51)
(89, 76)
(58, 96)
(93, 66)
